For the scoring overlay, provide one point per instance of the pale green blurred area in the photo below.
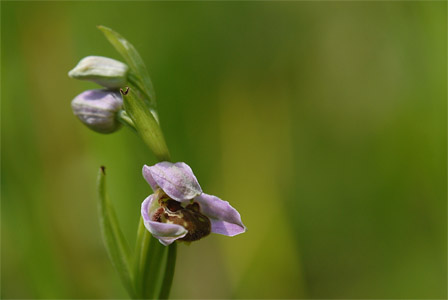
(323, 123)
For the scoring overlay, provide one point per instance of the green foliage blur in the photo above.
(323, 123)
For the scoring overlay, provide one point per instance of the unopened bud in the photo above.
(105, 71)
(98, 109)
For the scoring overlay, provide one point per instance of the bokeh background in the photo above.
(323, 123)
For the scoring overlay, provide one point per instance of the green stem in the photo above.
(154, 263)
(169, 272)
(140, 256)
(154, 266)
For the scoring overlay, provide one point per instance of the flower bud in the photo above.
(105, 71)
(97, 109)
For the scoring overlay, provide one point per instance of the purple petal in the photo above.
(97, 109)
(148, 177)
(224, 218)
(164, 232)
(176, 180)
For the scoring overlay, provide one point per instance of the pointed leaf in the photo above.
(116, 245)
(139, 75)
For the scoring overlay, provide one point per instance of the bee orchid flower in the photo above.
(179, 210)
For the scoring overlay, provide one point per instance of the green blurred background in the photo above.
(323, 123)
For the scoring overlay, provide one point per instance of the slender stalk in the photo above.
(169, 272)
(154, 266)
(141, 249)
(154, 269)
(152, 261)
